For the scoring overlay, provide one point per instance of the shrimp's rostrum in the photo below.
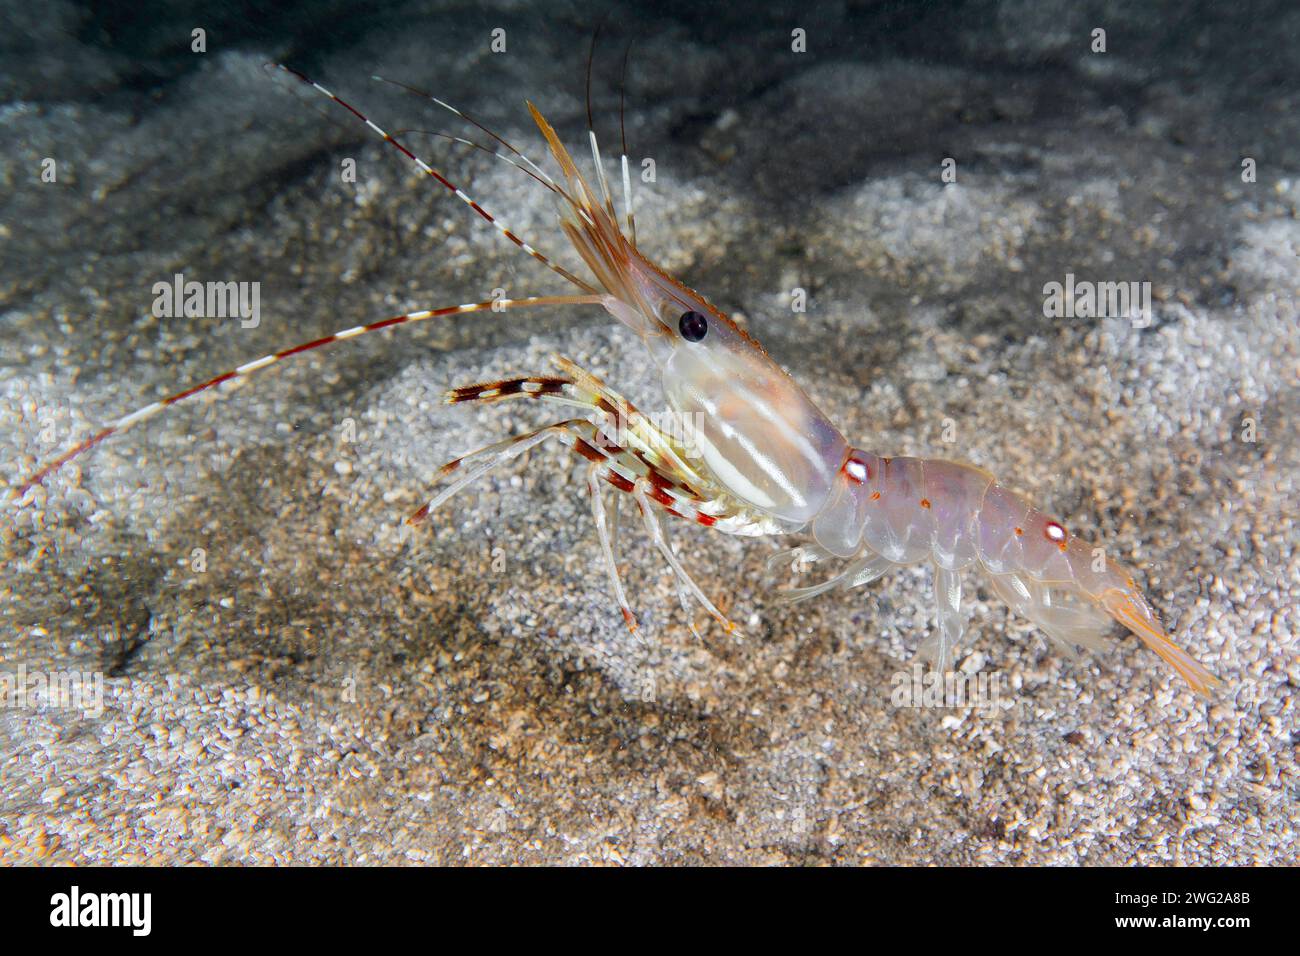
(764, 459)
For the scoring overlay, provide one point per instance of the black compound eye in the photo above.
(693, 325)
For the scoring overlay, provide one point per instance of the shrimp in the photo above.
(764, 461)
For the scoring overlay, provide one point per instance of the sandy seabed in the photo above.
(290, 676)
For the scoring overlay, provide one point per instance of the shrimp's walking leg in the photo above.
(493, 455)
(489, 457)
(685, 584)
(940, 647)
(602, 531)
(803, 554)
(609, 463)
(579, 388)
(861, 570)
(637, 459)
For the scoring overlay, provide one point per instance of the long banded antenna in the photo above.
(149, 411)
(444, 181)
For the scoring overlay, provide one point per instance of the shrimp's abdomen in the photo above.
(1072, 590)
(954, 495)
(905, 509)
(894, 511)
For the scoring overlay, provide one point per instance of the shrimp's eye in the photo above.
(693, 325)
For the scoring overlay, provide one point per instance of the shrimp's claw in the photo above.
(1132, 611)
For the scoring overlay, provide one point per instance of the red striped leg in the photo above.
(685, 584)
(584, 437)
(549, 387)
(485, 459)
(662, 452)
(609, 462)
(623, 468)
(581, 389)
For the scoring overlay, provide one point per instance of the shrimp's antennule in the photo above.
(533, 169)
(622, 135)
(461, 140)
(591, 126)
